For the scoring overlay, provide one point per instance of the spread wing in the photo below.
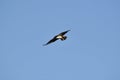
(52, 40)
(63, 33)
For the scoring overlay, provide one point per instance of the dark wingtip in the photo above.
(68, 30)
(44, 45)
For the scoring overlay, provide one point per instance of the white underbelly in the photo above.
(59, 37)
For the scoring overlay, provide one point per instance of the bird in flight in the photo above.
(57, 37)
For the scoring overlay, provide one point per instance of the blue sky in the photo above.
(91, 51)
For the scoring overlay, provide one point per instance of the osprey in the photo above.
(59, 36)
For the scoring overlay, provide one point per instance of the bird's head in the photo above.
(65, 37)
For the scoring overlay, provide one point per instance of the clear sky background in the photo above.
(91, 51)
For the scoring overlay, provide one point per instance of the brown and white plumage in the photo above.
(59, 36)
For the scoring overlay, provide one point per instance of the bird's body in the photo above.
(59, 36)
